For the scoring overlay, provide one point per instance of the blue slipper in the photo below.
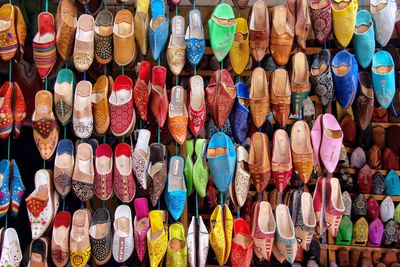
(364, 40)
(158, 34)
(392, 184)
(195, 43)
(383, 79)
(17, 189)
(5, 187)
(240, 114)
(345, 76)
(221, 156)
(175, 195)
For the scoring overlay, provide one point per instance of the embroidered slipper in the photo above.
(197, 105)
(157, 238)
(124, 185)
(344, 19)
(142, 89)
(299, 83)
(282, 35)
(66, 21)
(45, 128)
(239, 188)
(222, 27)
(103, 37)
(175, 196)
(364, 41)
(123, 234)
(158, 34)
(178, 115)
(44, 45)
(259, 30)
(259, 97)
(194, 38)
(197, 242)
(177, 249)
(280, 96)
(141, 157)
(83, 176)
(60, 238)
(6, 112)
(259, 160)
(82, 120)
(200, 167)
(240, 115)
(141, 224)
(321, 77)
(83, 54)
(101, 236)
(103, 175)
(242, 244)
(17, 188)
(188, 170)
(8, 32)
(383, 80)
(176, 51)
(141, 22)
(11, 253)
(79, 242)
(384, 16)
(157, 171)
(302, 151)
(5, 187)
(321, 18)
(41, 204)
(63, 95)
(64, 167)
(124, 40)
(281, 162)
(159, 98)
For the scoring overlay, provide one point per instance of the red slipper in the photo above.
(141, 92)
(124, 185)
(19, 110)
(103, 176)
(159, 98)
(6, 114)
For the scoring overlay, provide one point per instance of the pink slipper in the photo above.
(141, 225)
(332, 137)
(316, 137)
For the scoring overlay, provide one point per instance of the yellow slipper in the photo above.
(344, 14)
(157, 239)
(240, 52)
(142, 24)
(177, 246)
(221, 233)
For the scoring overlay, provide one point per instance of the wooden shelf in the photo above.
(370, 249)
(355, 171)
(378, 197)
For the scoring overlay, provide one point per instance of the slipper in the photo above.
(321, 18)
(194, 38)
(66, 21)
(84, 43)
(321, 77)
(332, 137)
(239, 55)
(178, 115)
(141, 157)
(239, 188)
(83, 177)
(101, 236)
(45, 128)
(383, 79)
(222, 27)
(384, 16)
(280, 96)
(240, 114)
(259, 30)
(200, 168)
(259, 97)
(197, 242)
(302, 150)
(6, 109)
(79, 242)
(141, 224)
(17, 188)
(5, 187)
(300, 84)
(282, 35)
(44, 45)
(39, 252)
(124, 39)
(11, 252)
(157, 238)
(176, 51)
(60, 238)
(177, 246)
(124, 185)
(259, 160)
(100, 104)
(157, 171)
(281, 162)
(197, 105)
(64, 167)
(263, 229)
(64, 88)
(175, 196)
(344, 20)
(364, 41)
(159, 99)
(188, 170)
(82, 116)
(123, 234)
(103, 37)
(141, 22)
(142, 89)
(158, 33)
(242, 244)
(103, 175)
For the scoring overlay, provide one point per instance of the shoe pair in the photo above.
(177, 250)
(12, 188)
(157, 237)
(11, 252)
(42, 203)
(121, 181)
(11, 16)
(196, 174)
(12, 110)
(328, 191)
(327, 137)
(197, 242)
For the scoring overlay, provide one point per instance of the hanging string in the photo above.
(195, 70)
(238, 213)
(140, 123)
(197, 208)
(63, 208)
(84, 75)
(104, 203)
(105, 4)
(194, 4)
(324, 45)
(46, 6)
(65, 132)
(158, 61)
(362, 4)
(105, 138)
(123, 139)
(176, 10)
(123, 70)
(222, 64)
(323, 209)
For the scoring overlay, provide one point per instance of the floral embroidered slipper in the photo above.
(83, 177)
(63, 95)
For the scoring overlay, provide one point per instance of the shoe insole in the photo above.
(140, 224)
(176, 244)
(259, 16)
(123, 96)
(284, 226)
(224, 22)
(258, 148)
(124, 28)
(154, 168)
(97, 98)
(280, 88)
(231, 90)
(216, 152)
(341, 70)
(336, 196)
(300, 143)
(197, 92)
(258, 83)
(334, 134)
(306, 203)
(363, 28)
(300, 69)
(240, 37)
(83, 99)
(379, 7)
(319, 5)
(243, 240)
(341, 5)
(281, 149)
(103, 165)
(85, 36)
(64, 161)
(123, 164)
(244, 102)
(103, 30)
(101, 230)
(156, 223)
(42, 192)
(45, 38)
(43, 105)
(383, 69)
(69, 19)
(195, 25)
(176, 176)
(157, 21)
(5, 24)
(64, 89)
(176, 106)
(318, 71)
(59, 234)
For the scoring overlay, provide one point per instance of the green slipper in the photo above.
(200, 169)
(222, 28)
(188, 171)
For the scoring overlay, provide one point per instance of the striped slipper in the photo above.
(17, 188)
(44, 45)
(4, 189)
